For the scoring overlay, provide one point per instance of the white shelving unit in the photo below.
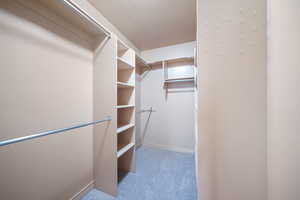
(124, 85)
(124, 128)
(125, 106)
(178, 61)
(124, 148)
(177, 80)
(125, 109)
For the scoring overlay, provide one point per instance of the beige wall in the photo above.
(138, 114)
(46, 83)
(232, 100)
(284, 99)
(172, 124)
(170, 52)
(86, 5)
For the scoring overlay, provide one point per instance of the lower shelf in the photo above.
(124, 148)
(125, 127)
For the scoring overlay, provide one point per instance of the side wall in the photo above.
(172, 124)
(46, 83)
(231, 44)
(284, 99)
(170, 52)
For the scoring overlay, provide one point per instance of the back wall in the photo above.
(172, 124)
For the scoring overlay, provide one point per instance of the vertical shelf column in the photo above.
(105, 139)
(125, 110)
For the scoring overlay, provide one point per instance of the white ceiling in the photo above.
(152, 23)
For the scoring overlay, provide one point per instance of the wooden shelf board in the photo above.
(184, 79)
(124, 106)
(122, 149)
(124, 85)
(123, 64)
(124, 128)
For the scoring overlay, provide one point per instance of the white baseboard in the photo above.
(83, 191)
(169, 148)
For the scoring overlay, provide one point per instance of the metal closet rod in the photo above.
(42, 134)
(84, 14)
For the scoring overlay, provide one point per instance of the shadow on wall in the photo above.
(145, 128)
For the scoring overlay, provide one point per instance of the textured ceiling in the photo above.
(152, 23)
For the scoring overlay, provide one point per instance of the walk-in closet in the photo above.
(88, 114)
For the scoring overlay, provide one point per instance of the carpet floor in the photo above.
(160, 175)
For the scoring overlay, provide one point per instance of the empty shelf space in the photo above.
(124, 85)
(123, 64)
(124, 128)
(123, 148)
(124, 106)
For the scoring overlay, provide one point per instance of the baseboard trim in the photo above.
(169, 148)
(83, 191)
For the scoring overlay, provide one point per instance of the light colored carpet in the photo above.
(160, 175)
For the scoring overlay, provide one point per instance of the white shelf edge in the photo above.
(125, 84)
(181, 78)
(125, 106)
(124, 128)
(185, 79)
(125, 149)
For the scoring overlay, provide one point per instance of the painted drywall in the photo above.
(174, 21)
(283, 99)
(171, 126)
(169, 52)
(95, 13)
(138, 114)
(46, 83)
(231, 44)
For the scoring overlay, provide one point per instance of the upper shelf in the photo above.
(175, 60)
(125, 106)
(71, 12)
(176, 80)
